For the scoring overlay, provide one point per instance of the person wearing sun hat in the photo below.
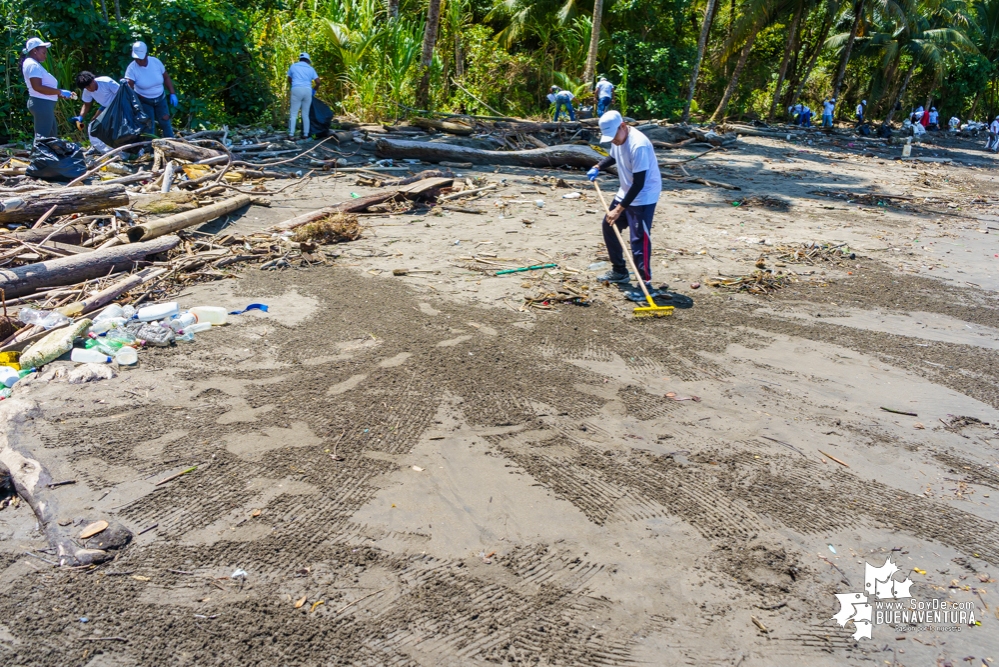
(148, 77)
(634, 204)
(301, 78)
(43, 89)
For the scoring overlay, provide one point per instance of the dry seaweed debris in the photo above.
(766, 201)
(758, 282)
(334, 228)
(810, 253)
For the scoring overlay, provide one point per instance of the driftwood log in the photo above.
(29, 206)
(184, 151)
(443, 126)
(175, 223)
(72, 234)
(29, 278)
(582, 157)
(22, 470)
(110, 293)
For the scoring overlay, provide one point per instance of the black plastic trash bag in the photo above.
(123, 121)
(320, 118)
(53, 159)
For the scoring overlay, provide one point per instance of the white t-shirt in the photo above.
(562, 94)
(149, 79)
(33, 69)
(860, 109)
(994, 127)
(604, 89)
(302, 75)
(107, 88)
(637, 154)
(827, 108)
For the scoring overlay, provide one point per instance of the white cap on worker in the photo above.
(304, 56)
(34, 43)
(863, 101)
(609, 123)
(139, 50)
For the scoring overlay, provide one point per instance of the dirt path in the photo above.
(514, 486)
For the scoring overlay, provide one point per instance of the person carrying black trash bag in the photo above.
(303, 82)
(148, 77)
(634, 204)
(99, 89)
(43, 89)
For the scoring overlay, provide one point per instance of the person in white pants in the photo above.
(301, 78)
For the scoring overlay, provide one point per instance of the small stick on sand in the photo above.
(830, 456)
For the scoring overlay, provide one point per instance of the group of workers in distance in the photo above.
(145, 74)
(603, 93)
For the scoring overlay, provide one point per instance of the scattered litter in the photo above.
(417, 468)
(570, 195)
(301, 601)
(758, 282)
(238, 573)
(334, 228)
(94, 528)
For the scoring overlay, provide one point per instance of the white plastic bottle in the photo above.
(8, 376)
(158, 311)
(126, 356)
(82, 355)
(199, 326)
(210, 314)
(183, 321)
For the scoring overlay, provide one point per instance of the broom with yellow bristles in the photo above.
(652, 310)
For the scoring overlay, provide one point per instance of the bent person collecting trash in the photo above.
(301, 79)
(634, 205)
(99, 89)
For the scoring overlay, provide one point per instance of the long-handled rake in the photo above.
(652, 310)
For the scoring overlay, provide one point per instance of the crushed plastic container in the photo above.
(8, 376)
(210, 314)
(111, 312)
(48, 319)
(126, 356)
(158, 311)
(82, 355)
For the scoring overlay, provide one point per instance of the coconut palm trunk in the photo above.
(734, 81)
(702, 42)
(427, 57)
(791, 34)
(858, 13)
(811, 61)
(591, 56)
(901, 92)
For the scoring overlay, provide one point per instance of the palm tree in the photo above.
(427, 56)
(702, 41)
(792, 33)
(591, 56)
(858, 14)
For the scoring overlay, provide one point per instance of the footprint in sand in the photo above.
(397, 360)
(453, 341)
(346, 385)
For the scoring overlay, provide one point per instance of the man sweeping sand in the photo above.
(635, 202)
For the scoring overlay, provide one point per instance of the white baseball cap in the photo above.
(139, 50)
(34, 43)
(304, 56)
(609, 123)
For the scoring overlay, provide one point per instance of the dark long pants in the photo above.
(159, 114)
(638, 219)
(43, 114)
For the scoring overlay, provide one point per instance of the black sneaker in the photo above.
(637, 295)
(613, 276)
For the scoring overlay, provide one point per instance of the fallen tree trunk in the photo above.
(72, 234)
(352, 206)
(31, 481)
(30, 278)
(428, 173)
(175, 223)
(30, 206)
(443, 126)
(582, 157)
(184, 150)
(527, 126)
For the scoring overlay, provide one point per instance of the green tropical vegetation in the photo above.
(383, 59)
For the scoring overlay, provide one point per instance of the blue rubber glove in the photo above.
(78, 121)
(68, 94)
(173, 100)
(593, 173)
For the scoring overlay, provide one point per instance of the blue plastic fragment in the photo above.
(252, 306)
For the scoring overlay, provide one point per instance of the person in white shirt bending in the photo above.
(148, 77)
(43, 89)
(301, 78)
(100, 89)
(634, 204)
(605, 94)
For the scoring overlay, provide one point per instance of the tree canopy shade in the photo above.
(669, 59)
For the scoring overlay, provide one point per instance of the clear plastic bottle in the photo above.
(183, 321)
(111, 312)
(82, 355)
(211, 314)
(158, 311)
(120, 335)
(126, 356)
(198, 326)
(48, 319)
(108, 347)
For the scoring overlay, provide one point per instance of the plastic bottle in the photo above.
(82, 355)
(48, 319)
(126, 356)
(128, 312)
(211, 314)
(158, 311)
(120, 335)
(184, 336)
(108, 347)
(183, 321)
(111, 312)
(8, 376)
(198, 326)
